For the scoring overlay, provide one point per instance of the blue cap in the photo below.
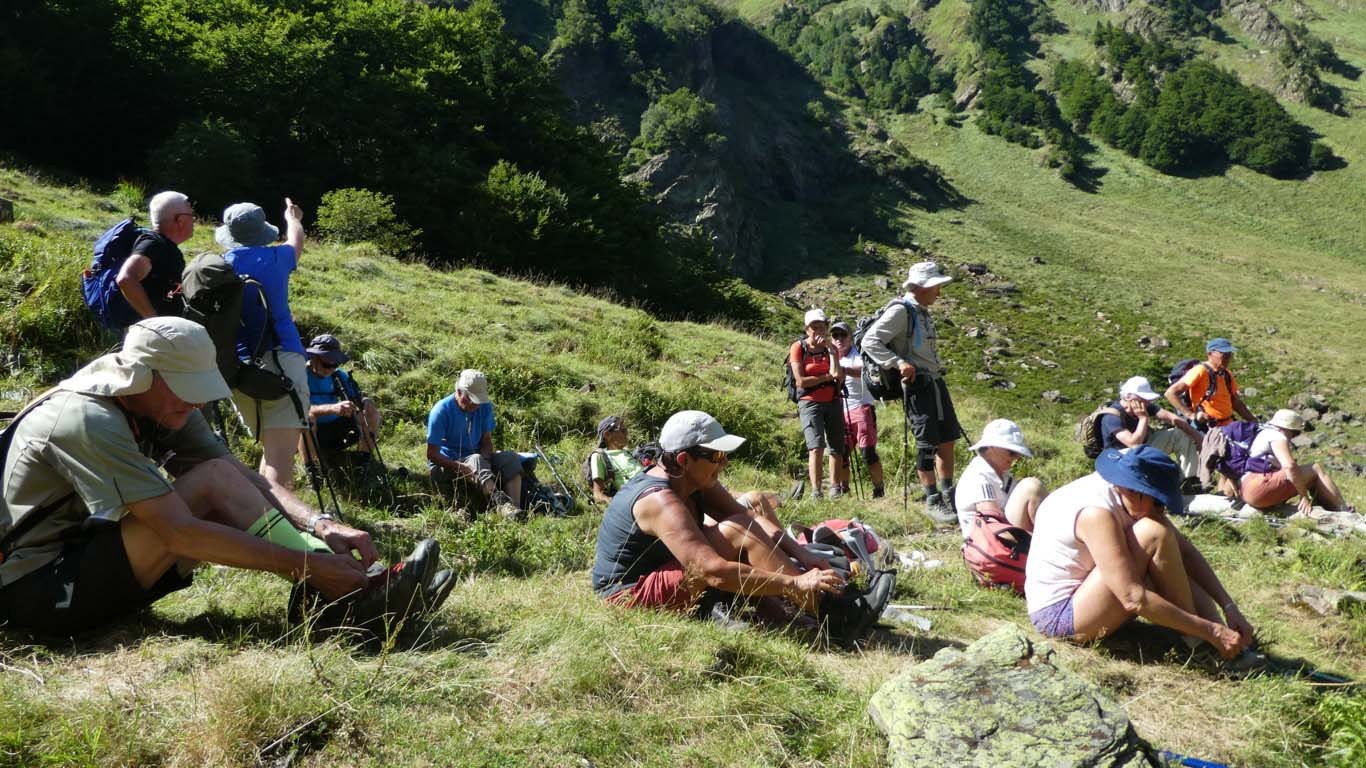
(1144, 469)
(1220, 345)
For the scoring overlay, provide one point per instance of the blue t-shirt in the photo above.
(455, 432)
(323, 390)
(1109, 425)
(269, 265)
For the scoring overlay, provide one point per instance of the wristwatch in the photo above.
(313, 523)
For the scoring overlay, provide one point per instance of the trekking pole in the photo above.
(313, 457)
(363, 424)
(554, 472)
(905, 452)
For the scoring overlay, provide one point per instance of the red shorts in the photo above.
(861, 429)
(665, 587)
(1267, 489)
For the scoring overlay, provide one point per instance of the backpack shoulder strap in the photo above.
(1214, 377)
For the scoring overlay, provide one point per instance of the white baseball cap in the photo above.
(1003, 433)
(925, 274)
(1138, 385)
(474, 384)
(815, 316)
(695, 429)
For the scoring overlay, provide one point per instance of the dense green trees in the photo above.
(879, 57)
(436, 107)
(1184, 116)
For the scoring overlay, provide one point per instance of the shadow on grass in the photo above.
(1148, 644)
(920, 646)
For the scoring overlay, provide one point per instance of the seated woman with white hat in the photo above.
(1104, 551)
(1283, 478)
(987, 486)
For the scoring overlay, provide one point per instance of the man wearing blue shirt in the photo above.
(460, 445)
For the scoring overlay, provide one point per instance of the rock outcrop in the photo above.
(1002, 702)
(1259, 22)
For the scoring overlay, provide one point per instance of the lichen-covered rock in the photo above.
(1002, 702)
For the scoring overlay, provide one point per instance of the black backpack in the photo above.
(213, 294)
(881, 383)
(609, 479)
(1180, 370)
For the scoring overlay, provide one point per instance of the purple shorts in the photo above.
(1055, 620)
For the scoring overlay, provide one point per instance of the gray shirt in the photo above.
(889, 343)
(83, 449)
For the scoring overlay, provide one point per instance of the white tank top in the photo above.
(1058, 562)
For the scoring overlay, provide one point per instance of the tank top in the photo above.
(1059, 561)
(625, 554)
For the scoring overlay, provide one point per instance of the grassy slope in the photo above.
(525, 667)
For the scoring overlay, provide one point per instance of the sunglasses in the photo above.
(708, 455)
(840, 335)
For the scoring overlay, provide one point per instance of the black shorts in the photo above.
(337, 435)
(88, 585)
(930, 413)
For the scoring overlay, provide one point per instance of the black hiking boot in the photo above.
(848, 615)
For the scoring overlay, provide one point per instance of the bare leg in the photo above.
(1315, 483)
(1024, 502)
(943, 461)
(743, 535)
(764, 506)
(278, 447)
(1154, 552)
(839, 470)
(814, 458)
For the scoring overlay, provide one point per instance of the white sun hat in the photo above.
(1003, 433)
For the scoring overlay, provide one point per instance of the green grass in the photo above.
(525, 667)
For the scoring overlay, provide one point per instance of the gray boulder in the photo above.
(1002, 702)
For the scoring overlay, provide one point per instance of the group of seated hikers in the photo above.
(115, 486)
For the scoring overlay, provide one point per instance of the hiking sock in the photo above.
(276, 528)
(930, 492)
(946, 490)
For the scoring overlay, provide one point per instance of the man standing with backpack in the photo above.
(136, 271)
(1207, 393)
(903, 337)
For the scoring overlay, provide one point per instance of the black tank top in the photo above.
(625, 553)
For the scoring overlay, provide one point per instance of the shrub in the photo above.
(1321, 157)
(130, 197)
(679, 119)
(210, 160)
(354, 215)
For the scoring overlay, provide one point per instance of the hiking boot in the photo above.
(725, 616)
(368, 617)
(836, 492)
(937, 510)
(504, 506)
(848, 615)
(879, 491)
(425, 559)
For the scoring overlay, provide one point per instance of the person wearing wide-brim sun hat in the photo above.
(1274, 477)
(99, 531)
(249, 240)
(1104, 551)
(987, 486)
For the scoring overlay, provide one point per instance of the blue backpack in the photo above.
(99, 282)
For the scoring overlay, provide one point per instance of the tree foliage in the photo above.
(879, 57)
(436, 107)
(678, 119)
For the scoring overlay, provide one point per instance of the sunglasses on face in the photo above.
(708, 455)
(840, 335)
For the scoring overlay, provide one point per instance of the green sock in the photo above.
(276, 528)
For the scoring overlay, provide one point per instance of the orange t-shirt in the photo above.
(812, 364)
(1219, 406)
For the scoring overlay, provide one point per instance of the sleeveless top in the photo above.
(1058, 561)
(625, 554)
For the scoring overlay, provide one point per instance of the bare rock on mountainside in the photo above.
(1003, 701)
(1259, 22)
(1146, 21)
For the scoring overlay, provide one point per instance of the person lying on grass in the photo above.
(98, 531)
(1105, 551)
(674, 531)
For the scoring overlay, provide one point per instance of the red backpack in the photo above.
(996, 551)
(847, 536)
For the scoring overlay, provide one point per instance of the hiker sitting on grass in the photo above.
(1104, 551)
(276, 424)
(674, 531)
(341, 417)
(149, 276)
(986, 485)
(460, 446)
(816, 371)
(611, 464)
(1283, 478)
(1134, 427)
(100, 532)
(1195, 399)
